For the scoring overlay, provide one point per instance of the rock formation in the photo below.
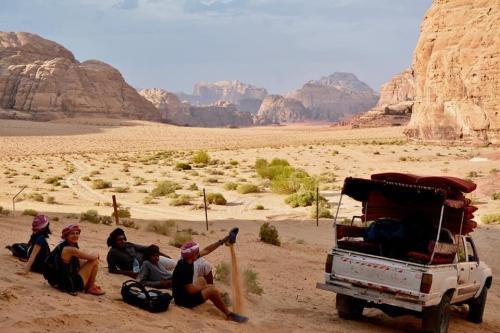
(394, 106)
(43, 79)
(245, 96)
(276, 109)
(457, 73)
(221, 114)
(335, 97)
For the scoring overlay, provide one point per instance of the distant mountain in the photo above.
(173, 111)
(42, 80)
(245, 96)
(334, 97)
(276, 109)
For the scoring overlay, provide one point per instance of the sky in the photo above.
(275, 44)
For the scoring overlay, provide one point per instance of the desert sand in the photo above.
(134, 155)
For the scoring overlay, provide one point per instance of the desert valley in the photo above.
(73, 134)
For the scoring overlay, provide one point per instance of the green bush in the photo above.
(495, 196)
(201, 157)
(180, 238)
(90, 215)
(490, 218)
(324, 212)
(230, 186)
(99, 184)
(303, 199)
(50, 200)
(30, 212)
(164, 188)
(181, 200)
(138, 181)
(193, 187)
(123, 212)
(251, 283)
(216, 199)
(163, 228)
(121, 189)
(223, 272)
(36, 196)
(259, 207)
(247, 188)
(129, 224)
(54, 180)
(269, 234)
(233, 162)
(182, 166)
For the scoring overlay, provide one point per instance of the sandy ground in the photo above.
(127, 155)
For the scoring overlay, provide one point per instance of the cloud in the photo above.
(127, 4)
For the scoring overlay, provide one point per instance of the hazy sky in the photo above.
(277, 44)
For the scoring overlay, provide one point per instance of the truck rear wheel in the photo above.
(349, 307)
(476, 307)
(437, 318)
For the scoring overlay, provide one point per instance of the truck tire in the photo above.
(349, 307)
(437, 318)
(476, 307)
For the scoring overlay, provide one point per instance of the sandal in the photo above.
(237, 317)
(95, 290)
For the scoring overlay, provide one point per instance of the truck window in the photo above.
(461, 250)
(471, 253)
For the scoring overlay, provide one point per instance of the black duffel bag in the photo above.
(134, 293)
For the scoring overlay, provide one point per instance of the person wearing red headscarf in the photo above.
(37, 249)
(75, 270)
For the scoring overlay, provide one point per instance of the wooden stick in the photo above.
(317, 206)
(14, 199)
(205, 204)
(115, 208)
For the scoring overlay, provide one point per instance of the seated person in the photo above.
(75, 270)
(37, 249)
(190, 293)
(126, 258)
(152, 274)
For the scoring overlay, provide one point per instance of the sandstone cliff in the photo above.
(245, 96)
(276, 109)
(42, 79)
(220, 114)
(394, 106)
(457, 73)
(335, 97)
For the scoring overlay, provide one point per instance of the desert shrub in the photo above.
(247, 188)
(495, 196)
(200, 157)
(216, 199)
(233, 162)
(98, 184)
(121, 189)
(90, 215)
(36, 196)
(269, 234)
(164, 188)
(472, 174)
(163, 228)
(181, 200)
(54, 180)
(30, 212)
(223, 272)
(324, 212)
(86, 178)
(138, 181)
(105, 219)
(35, 177)
(123, 212)
(193, 187)
(259, 207)
(94, 173)
(303, 199)
(251, 282)
(276, 168)
(148, 200)
(211, 180)
(129, 224)
(490, 218)
(180, 238)
(182, 166)
(50, 200)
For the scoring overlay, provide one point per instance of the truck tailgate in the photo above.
(376, 273)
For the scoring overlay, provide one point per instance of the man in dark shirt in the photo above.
(189, 293)
(124, 257)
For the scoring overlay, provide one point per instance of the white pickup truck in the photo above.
(412, 252)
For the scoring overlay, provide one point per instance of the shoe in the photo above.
(237, 317)
(232, 235)
(95, 290)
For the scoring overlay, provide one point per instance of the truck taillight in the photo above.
(426, 283)
(328, 263)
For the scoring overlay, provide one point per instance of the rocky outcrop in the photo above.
(245, 96)
(335, 97)
(173, 111)
(276, 109)
(44, 80)
(457, 73)
(394, 106)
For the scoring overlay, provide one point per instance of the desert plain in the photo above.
(71, 167)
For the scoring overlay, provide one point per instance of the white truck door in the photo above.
(473, 259)
(468, 273)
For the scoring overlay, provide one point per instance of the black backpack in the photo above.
(52, 267)
(134, 293)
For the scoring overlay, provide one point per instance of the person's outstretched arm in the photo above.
(31, 260)
(208, 249)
